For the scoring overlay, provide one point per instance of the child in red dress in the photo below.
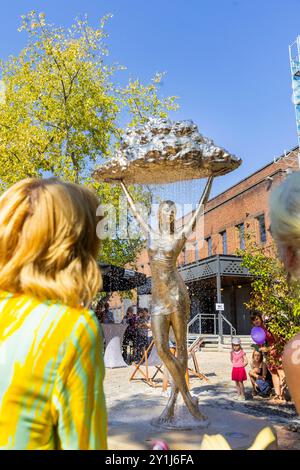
(239, 362)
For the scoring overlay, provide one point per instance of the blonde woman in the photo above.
(285, 227)
(51, 387)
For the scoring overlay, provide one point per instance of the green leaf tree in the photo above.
(62, 108)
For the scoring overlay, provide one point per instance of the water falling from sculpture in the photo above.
(162, 152)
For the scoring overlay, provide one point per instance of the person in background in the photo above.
(273, 359)
(128, 316)
(259, 375)
(239, 362)
(285, 229)
(51, 387)
(130, 335)
(108, 316)
(143, 327)
(148, 317)
(99, 311)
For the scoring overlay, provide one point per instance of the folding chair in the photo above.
(149, 358)
(194, 347)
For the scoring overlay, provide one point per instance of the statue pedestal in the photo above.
(182, 420)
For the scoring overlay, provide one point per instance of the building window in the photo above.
(241, 230)
(262, 228)
(224, 242)
(196, 250)
(209, 246)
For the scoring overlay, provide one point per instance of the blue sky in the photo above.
(227, 60)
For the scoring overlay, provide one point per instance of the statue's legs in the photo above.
(176, 365)
(179, 326)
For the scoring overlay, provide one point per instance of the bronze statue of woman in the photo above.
(170, 307)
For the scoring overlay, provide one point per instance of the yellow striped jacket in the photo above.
(51, 376)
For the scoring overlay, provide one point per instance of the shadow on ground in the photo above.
(222, 396)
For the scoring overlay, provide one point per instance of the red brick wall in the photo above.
(241, 203)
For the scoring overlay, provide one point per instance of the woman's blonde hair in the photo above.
(48, 241)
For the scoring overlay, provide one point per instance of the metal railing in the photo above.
(210, 324)
(203, 323)
(231, 327)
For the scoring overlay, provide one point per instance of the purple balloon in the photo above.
(258, 335)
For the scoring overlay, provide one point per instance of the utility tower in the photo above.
(295, 70)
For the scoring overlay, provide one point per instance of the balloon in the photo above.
(258, 335)
(160, 445)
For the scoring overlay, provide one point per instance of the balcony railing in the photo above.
(225, 265)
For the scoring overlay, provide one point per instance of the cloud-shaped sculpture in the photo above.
(163, 151)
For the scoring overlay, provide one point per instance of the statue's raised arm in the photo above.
(136, 213)
(190, 226)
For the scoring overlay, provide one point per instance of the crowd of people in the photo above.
(103, 312)
(137, 336)
(265, 372)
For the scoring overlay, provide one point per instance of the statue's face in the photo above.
(167, 217)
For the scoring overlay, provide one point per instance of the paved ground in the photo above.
(218, 393)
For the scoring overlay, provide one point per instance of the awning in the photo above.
(120, 279)
(227, 266)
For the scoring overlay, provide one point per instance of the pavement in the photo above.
(133, 405)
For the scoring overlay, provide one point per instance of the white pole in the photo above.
(295, 63)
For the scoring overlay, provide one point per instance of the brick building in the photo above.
(210, 267)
